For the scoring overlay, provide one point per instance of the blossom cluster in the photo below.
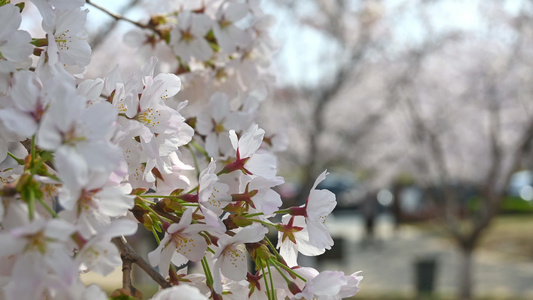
(84, 161)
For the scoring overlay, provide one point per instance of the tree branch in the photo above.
(120, 17)
(128, 254)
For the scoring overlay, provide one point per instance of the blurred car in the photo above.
(521, 185)
(348, 191)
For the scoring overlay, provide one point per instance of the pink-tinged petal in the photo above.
(91, 88)
(112, 79)
(180, 292)
(319, 235)
(262, 164)
(288, 250)
(192, 246)
(71, 167)
(11, 245)
(217, 278)
(320, 178)
(165, 258)
(201, 49)
(352, 285)
(219, 105)
(120, 227)
(320, 204)
(250, 234)
(307, 249)
(328, 283)
(267, 201)
(26, 90)
(211, 144)
(113, 202)
(216, 197)
(201, 24)
(258, 183)
(235, 11)
(178, 259)
(27, 279)
(72, 20)
(171, 85)
(154, 256)
(59, 230)
(17, 48)
(148, 68)
(94, 292)
(98, 120)
(233, 263)
(234, 140)
(11, 19)
(58, 259)
(186, 218)
(250, 141)
(212, 219)
(20, 122)
(100, 155)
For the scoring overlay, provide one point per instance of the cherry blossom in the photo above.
(249, 159)
(231, 254)
(182, 242)
(294, 238)
(319, 204)
(180, 292)
(187, 38)
(227, 34)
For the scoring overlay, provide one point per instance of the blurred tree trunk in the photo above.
(465, 276)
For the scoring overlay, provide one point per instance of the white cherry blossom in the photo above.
(182, 242)
(231, 254)
(187, 38)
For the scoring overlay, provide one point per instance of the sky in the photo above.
(303, 55)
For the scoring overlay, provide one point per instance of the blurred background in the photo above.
(422, 112)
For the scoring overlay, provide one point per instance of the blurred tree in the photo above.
(470, 116)
(451, 105)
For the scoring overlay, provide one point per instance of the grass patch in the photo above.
(510, 235)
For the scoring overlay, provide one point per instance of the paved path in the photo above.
(388, 265)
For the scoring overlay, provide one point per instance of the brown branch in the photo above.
(97, 40)
(126, 274)
(118, 17)
(128, 254)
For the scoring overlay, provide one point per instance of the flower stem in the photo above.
(291, 271)
(18, 160)
(195, 161)
(200, 149)
(156, 236)
(271, 281)
(254, 215)
(280, 272)
(265, 278)
(32, 152)
(48, 208)
(208, 276)
(262, 222)
(31, 204)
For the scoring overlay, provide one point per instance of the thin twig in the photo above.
(129, 254)
(120, 17)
